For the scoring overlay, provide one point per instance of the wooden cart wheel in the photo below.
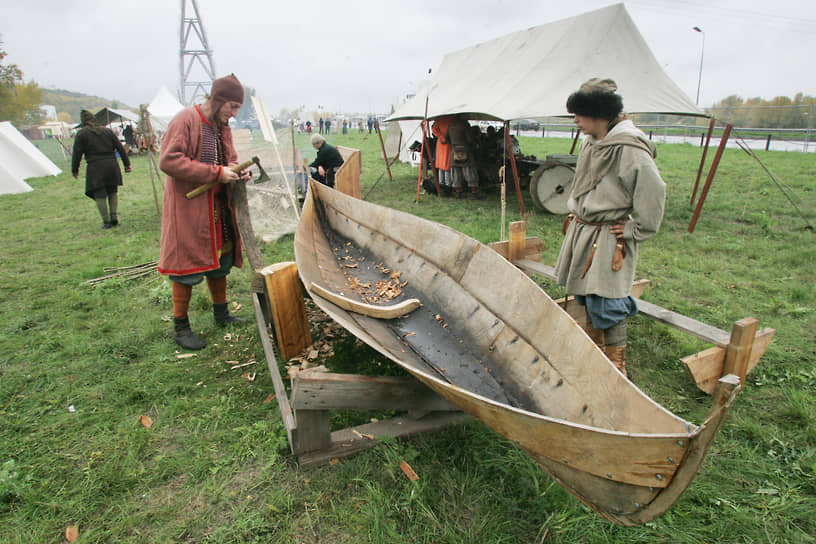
(550, 186)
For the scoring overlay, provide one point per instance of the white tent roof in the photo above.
(163, 108)
(530, 73)
(20, 160)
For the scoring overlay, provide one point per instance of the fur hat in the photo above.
(596, 98)
(226, 89)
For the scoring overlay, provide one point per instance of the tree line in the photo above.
(779, 112)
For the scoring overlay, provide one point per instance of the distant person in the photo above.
(199, 236)
(463, 160)
(360, 126)
(128, 135)
(328, 126)
(327, 161)
(345, 126)
(617, 201)
(370, 124)
(99, 145)
(320, 125)
(308, 127)
(443, 150)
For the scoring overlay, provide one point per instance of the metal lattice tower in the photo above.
(193, 53)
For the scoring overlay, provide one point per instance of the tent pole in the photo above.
(385, 155)
(703, 158)
(509, 145)
(710, 177)
(422, 149)
(574, 141)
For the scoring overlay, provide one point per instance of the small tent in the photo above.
(20, 160)
(106, 116)
(530, 73)
(163, 108)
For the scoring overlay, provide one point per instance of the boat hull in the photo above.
(490, 340)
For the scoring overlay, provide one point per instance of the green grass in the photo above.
(215, 465)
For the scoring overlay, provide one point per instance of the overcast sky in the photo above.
(363, 55)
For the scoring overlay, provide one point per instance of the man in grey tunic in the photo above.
(617, 201)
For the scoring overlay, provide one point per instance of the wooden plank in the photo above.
(533, 248)
(347, 178)
(330, 391)
(706, 367)
(353, 440)
(678, 321)
(371, 310)
(518, 237)
(288, 310)
(274, 372)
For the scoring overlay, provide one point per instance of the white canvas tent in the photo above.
(163, 108)
(20, 160)
(530, 73)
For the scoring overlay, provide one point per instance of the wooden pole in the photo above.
(509, 145)
(574, 141)
(294, 153)
(710, 177)
(422, 149)
(703, 158)
(385, 156)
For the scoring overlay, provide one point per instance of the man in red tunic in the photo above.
(200, 237)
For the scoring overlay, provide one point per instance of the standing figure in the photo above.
(370, 124)
(320, 125)
(617, 200)
(102, 175)
(328, 124)
(443, 151)
(463, 161)
(327, 161)
(199, 236)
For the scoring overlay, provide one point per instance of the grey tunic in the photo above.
(631, 189)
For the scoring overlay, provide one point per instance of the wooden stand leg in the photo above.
(738, 352)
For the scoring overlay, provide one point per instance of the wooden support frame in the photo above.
(315, 393)
(710, 178)
(734, 353)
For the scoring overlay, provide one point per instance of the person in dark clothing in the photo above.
(327, 162)
(128, 135)
(102, 175)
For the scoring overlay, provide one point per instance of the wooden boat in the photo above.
(491, 341)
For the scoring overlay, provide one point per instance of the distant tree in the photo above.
(19, 101)
(64, 116)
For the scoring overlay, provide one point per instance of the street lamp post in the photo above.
(702, 52)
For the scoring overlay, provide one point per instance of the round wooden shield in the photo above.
(550, 186)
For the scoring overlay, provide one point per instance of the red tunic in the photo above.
(189, 238)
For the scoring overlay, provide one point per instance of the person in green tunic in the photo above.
(617, 201)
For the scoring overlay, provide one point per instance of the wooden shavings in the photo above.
(408, 471)
(146, 421)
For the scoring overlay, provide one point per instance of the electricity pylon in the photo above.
(193, 53)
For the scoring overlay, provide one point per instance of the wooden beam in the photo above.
(330, 391)
(353, 440)
(706, 367)
(274, 372)
(738, 351)
(517, 240)
(285, 294)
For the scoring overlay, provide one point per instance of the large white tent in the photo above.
(163, 108)
(530, 73)
(20, 160)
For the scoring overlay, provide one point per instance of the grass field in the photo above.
(80, 365)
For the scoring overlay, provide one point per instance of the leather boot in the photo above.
(222, 315)
(114, 220)
(617, 356)
(184, 335)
